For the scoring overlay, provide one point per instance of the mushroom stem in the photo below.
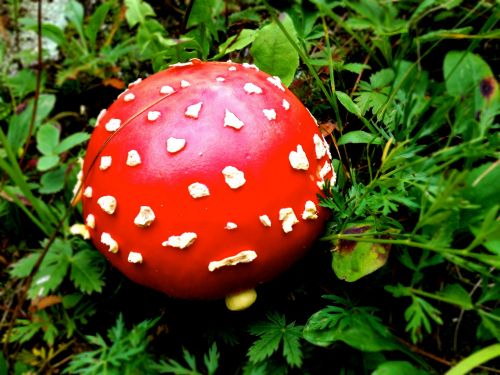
(241, 300)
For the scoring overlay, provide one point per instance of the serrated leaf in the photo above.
(137, 12)
(86, 271)
(272, 51)
(47, 162)
(265, 346)
(71, 141)
(359, 136)
(53, 181)
(238, 41)
(291, 348)
(381, 78)
(23, 267)
(348, 103)
(355, 67)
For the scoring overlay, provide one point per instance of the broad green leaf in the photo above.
(54, 33)
(47, 162)
(466, 365)
(47, 138)
(137, 12)
(398, 368)
(455, 293)
(490, 321)
(96, 21)
(71, 141)
(348, 103)
(273, 52)
(238, 41)
(74, 13)
(22, 83)
(354, 67)
(359, 136)
(53, 181)
(86, 271)
(463, 71)
(23, 267)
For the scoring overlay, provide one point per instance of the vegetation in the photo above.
(406, 279)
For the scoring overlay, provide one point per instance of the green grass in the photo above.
(407, 95)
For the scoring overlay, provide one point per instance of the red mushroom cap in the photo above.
(203, 180)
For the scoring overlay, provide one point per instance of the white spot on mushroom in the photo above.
(90, 221)
(327, 167)
(180, 64)
(264, 219)
(250, 66)
(107, 240)
(250, 88)
(181, 242)
(87, 193)
(310, 211)
(113, 125)
(198, 190)
(298, 159)
(233, 177)
(133, 158)
(245, 256)
(175, 144)
(270, 114)
(145, 217)
(167, 90)
(288, 219)
(276, 81)
(153, 115)
(134, 257)
(100, 116)
(107, 204)
(105, 162)
(128, 97)
(135, 83)
(231, 120)
(220, 79)
(231, 68)
(193, 110)
(185, 84)
(319, 146)
(285, 104)
(230, 225)
(80, 230)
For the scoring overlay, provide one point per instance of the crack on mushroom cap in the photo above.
(175, 144)
(167, 90)
(181, 242)
(245, 256)
(310, 211)
(251, 88)
(107, 240)
(145, 217)
(198, 190)
(153, 115)
(270, 114)
(285, 104)
(233, 177)
(107, 204)
(231, 120)
(134, 257)
(80, 230)
(105, 162)
(288, 219)
(113, 125)
(133, 158)
(90, 221)
(87, 193)
(319, 146)
(128, 97)
(298, 159)
(230, 225)
(276, 81)
(264, 219)
(193, 110)
(185, 84)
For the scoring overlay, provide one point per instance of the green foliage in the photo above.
(210, 361)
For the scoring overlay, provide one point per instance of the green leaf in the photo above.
(491, 322)
(86, 271)
(47, 139)
(273, 52)
(23, 267)
(238, 41)
(137, 12)
(348, 103)
(74, 13)
(53, 181)
(211, 359)
(47, 162)
(455, 293)
(398, 368)
(22, 83)
(466, 365)
(354, 67)
(96, 21)
(71, 141)
(359, 136)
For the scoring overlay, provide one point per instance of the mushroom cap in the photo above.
(210, 182)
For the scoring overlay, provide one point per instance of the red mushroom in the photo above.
(202, 180)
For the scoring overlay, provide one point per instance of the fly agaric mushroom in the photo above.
(202, 181)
